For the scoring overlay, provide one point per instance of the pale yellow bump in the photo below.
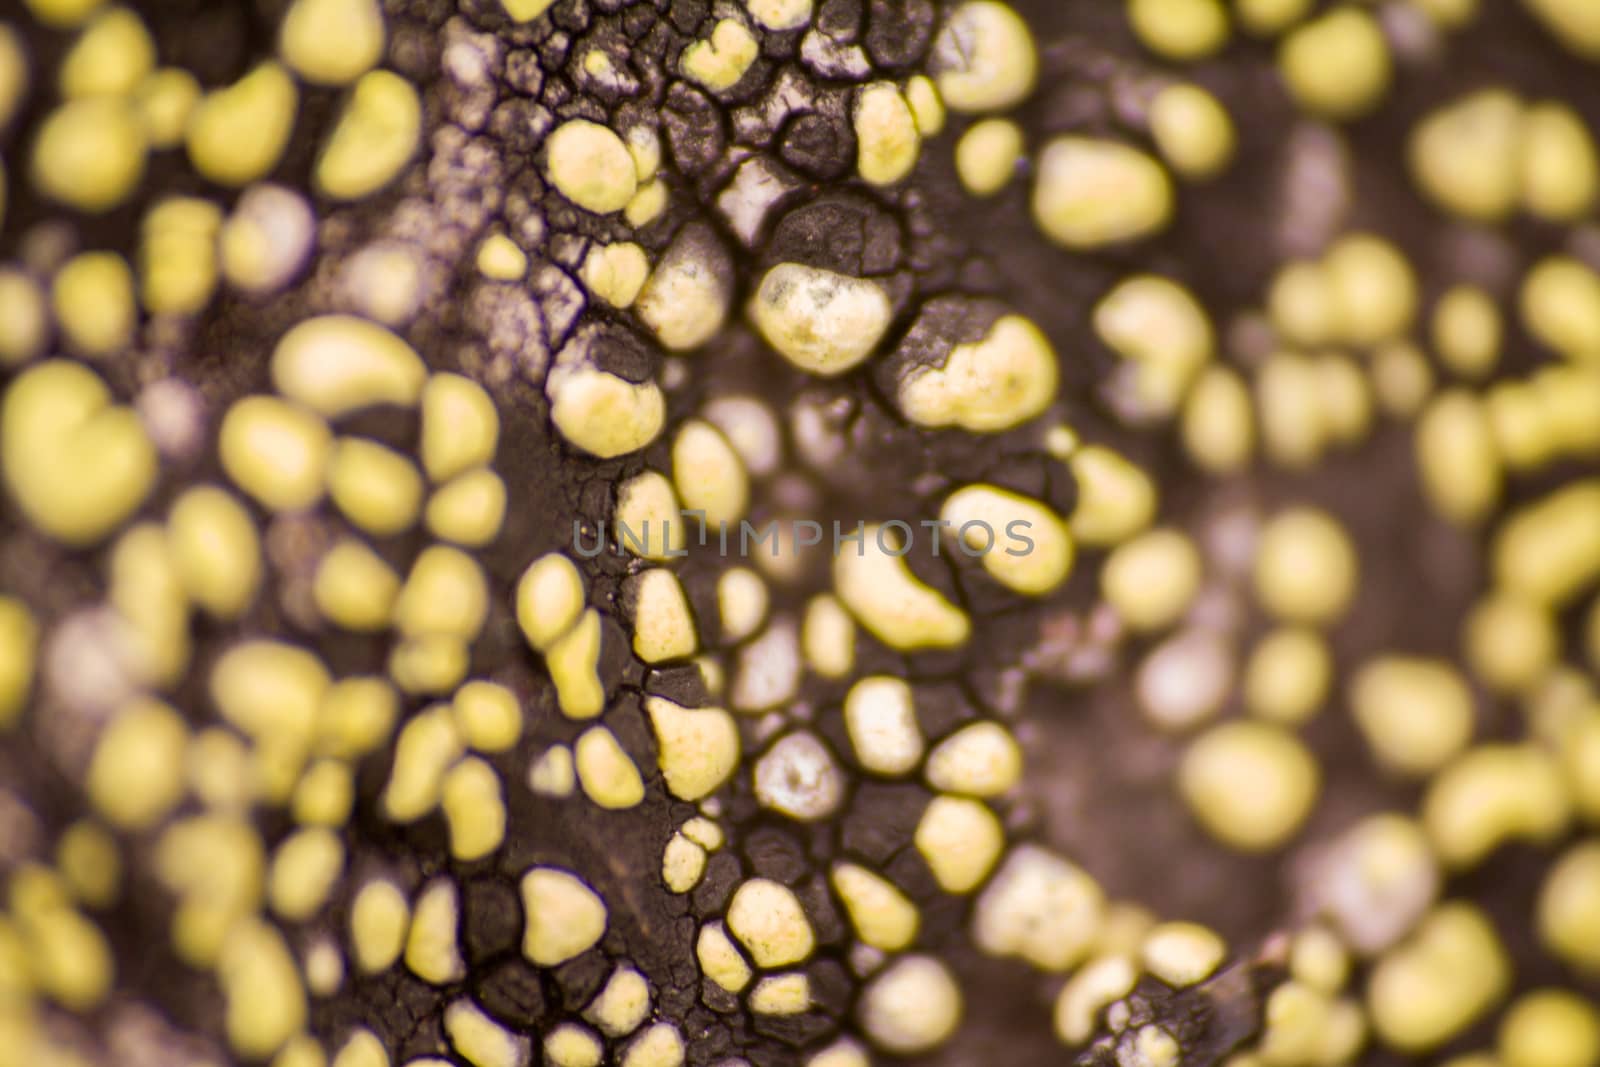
(1040, 908)
(337, 364)
(1116, 498)
(622, 1004)
(304, 870)
(165, 100)
(355, 588)
(331, 42)
(1336, 66)
(822, 322)
(1218, 422)
(881, 915)
(110, 58)
(92, 297)
(770, 923)
(89, 154)
(913, 1006)
(1249, 784)
(1549, 551)
(1092, 192)
(590, 166)
(468, 510)
(1457, 457)
(663, 624)
(428, 744)
(1182, 953)
(1305, 569)
(135, 776)
(571, 1045)
(890, 601)
(573, 662)
(781, 994)
(1152, 579)
(1402, 379)
(236, 135)
(379, 919)
(616, 272)
(488, 716)
(1510, 642)
(526, 11)
(361, 1049)
(984, 58)
(474, 809)
(1432, 987)
(1491, 795)
(699, 748)
(1287, 676)
(1464, 154)
(960, 839)
(432, 951)
(552, 774)
(91, 868)
(602, 414)
(19, 644)
(1193, 131)
(564, 917)
(661, 1045)
(1023, 544)
(720, 960)
(986, 155)
(1560, 174)
(433, 664)
(24, 318)
(683, 862)
(1373, 286)
(709, 475)
(1560, 306)
(550, 600)
(1568, 915)
(1550, 1027)
(481, 1041)
(982, 759)
(373, 139)
(606, 772)
(214, 546)
(997, 383)
(1179, 29)
(216, 864)
(719, 62)
(275, 451)
(927, 107)
(499, 259)
(445, 594)
(887, 140)
(1572, 22)
(460, 427)
(827, 637)
(1160, 326)
(1105, 979)
(324, 795)
(178, 255)
(265, 1000)
(301, 1051)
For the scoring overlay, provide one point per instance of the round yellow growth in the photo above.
(324, 795)
(111, 57)
(1218, 424)
(1574, 23)
(784, 994)
(1373, 288)
(1152, 579)
(460, 427)
(76, 464)
(987, 154)
(375, 487)
(474, 809)
(603, 414)
(1510, 642)
(480, 1040)
(89, 154)
(880, 914)
(999, 382)
(887, 141)
(1091, 192)
(960, 839)
(90, 864)
(1116, 499)
(683, 863)
(1289, 397)
(355, 588)
(890, 601)
(92, 297)
(374, 139)
(769, 922)
(911, 1007)
(266, 1004)
(698, 748)
(881, 721)
(165, 101)
(488, 716)
(1336, 66)
(214, 546)
(24, 318)
(1039, 908)
(19, 643)
(1464, 155)
(1416, 714)
(780, 14)
(136, 776)
(573, 663)
(1439, 982)
(1182, 953)
(275, 451)
(178, 256)
(1159, 325)
(1401, 379)
(337, 364)
(445, 594)
(616, 272)
(1560, 174)
(622, 1005)
(980, 760)
(1569, 908)
(1560, 306)
(379, 919)
(62, 14)
(663, 623)
(1550, 1028)
(661, 1045)
(1023, 544)
(550, 598)
(1105, 979)
(1193, 131)
(1549, 551)
(926, 106)
(331, 42)
(304, 870)
(426, 748)
(1491, 795)
(469, 510)
(827, 637)
(709, 475)
(1467, 331)
(984, 58)
(1249, 784)
(1287, 676)
(570, 1045)
(606, 772)
(1457, 458)
(822, 322)
(719, 63)
(1305, 569)
(590, 166)
(237, 134)
(1179, 29)
(433, 952)
(720, 959)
